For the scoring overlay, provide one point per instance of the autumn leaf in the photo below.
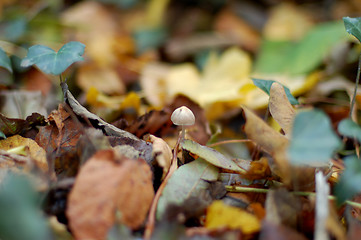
(106, 184)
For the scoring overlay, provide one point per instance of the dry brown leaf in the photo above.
(161, 152)
(269, 140)
(108, 183)
(34, 151)
(281, 108)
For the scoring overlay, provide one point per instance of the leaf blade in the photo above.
(353, 26)
(5, 61)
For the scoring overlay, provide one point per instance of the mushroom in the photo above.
(183, 116)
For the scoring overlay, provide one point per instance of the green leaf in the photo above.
(353, 26)
(211, 156)
(189, 180)
(312, 50)
(265, 85)
(349, 128)
(20, 216)
(286, 57)
(5, 61)
(51, 62)
(2, 135)
(349, 183)
(313, 140)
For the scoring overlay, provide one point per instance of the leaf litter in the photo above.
(265, 159)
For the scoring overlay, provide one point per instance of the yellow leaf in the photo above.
(35, 152)
(221, 215)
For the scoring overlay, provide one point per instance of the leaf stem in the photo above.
(356, 85)
(262, 190)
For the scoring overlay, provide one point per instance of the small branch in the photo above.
(229, 141)
(356, 85)
(305, 194)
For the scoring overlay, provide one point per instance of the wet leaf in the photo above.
(211, 156)
(348, 185)
(220, 215)
(265, 85)
(105, 185)
(349, 128)
(189, 180)
(51, 62)
(353, 26)
(5, 61)
(313, 140)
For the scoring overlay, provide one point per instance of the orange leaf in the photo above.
(108, 183)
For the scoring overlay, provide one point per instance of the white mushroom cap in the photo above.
(183, 116)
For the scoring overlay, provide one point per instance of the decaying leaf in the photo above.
(98, 122)
(280, 107)
(59, 139)
(106, 184)
(188, 180)
(33, 150)
(12, 126)
(220, 215)
(211, 156)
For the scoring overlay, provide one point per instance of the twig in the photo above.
(356, 85)
(149, 228)
(305, 194)
(229, 141)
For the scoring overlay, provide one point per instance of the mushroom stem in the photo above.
(183, 133)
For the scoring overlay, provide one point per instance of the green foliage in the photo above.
(20, 217)
(349, 183)
(300, 58)
(149, 38)
(211, 156)
(51, 62)
(353, 26)
(187, 181)
(313, 140)
(5, 61)
(2, 135)
(349, 128)
(265, 85)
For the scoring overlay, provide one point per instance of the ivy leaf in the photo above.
(51, 62)
(265, 85)
(349, 128)
(313, 140)
(212, 156)
(189, 180)
(353, 26)
(5, 61)
(349, 184)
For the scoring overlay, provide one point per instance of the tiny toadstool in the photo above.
(183, 116)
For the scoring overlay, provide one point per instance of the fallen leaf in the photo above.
(12, 126)
(188, 180)
(105, 185)
(211, 156)
(81, 111)
(161, 152)
(220, 215)
(35, 152)
(280, 107)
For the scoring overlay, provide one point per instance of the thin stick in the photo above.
(230, 141)
(305, 194)
(149, 228)
(356, 85)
